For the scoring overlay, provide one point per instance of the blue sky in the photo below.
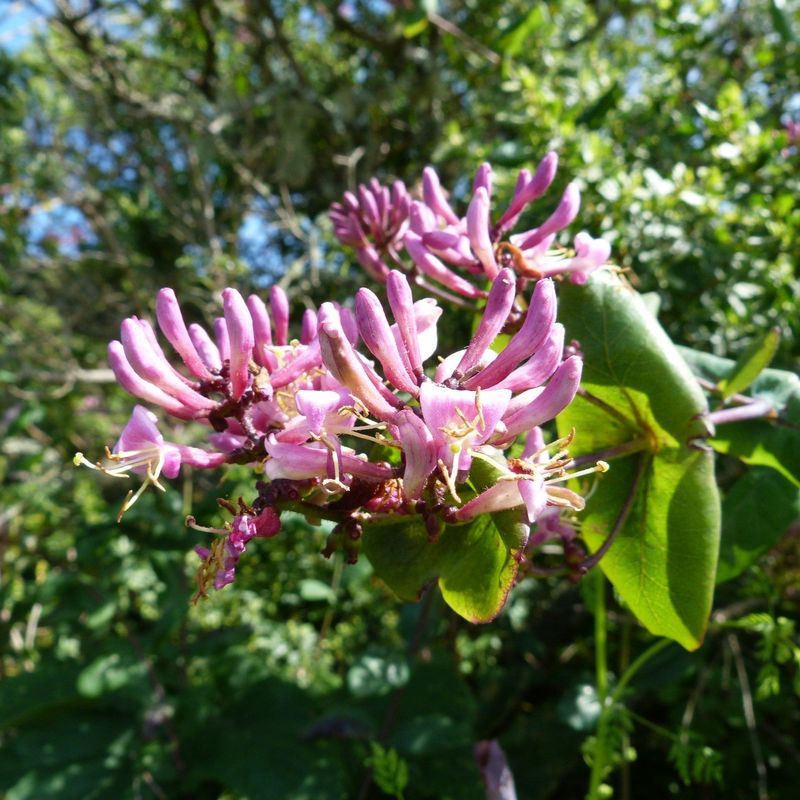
(18, 23)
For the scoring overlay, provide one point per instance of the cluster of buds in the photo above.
(456, 256)
(373, 223)
(339, 436)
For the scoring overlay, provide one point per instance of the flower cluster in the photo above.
(792, 128)
(348, 422)
(460, 254)
(373, 223)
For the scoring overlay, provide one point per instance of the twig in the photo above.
(749, 715)
(474, 44)
(609, 409)
(610, 453)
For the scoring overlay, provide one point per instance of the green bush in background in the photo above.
(198, 146)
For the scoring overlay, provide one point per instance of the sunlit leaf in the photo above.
(750, 364)
(663, 560)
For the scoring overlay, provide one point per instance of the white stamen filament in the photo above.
(600, 466)
(152, 458)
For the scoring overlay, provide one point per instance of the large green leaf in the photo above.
(759, 442)
(756, 513)
(630, 362)
(663, 561)
(474, 566)
(664, 557)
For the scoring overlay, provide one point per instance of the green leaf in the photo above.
(630, 363)
(473, 564)
(313, 590)
(389, 771)
(759, 442)
(377, 671)
(82, 755)
(663, 560)
(415, 26)
(752, 362)
(518, 36)
(46, 690)
(594, 115)
(755, 514)
(110, 673)
(781, 21)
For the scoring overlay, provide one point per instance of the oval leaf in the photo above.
(752, 362)
(663, 561)
(474, 566)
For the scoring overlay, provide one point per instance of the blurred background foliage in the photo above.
(197, 144)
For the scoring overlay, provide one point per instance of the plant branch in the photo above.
(749, 715)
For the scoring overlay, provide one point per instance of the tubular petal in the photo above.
(530, 337)
(170, 320)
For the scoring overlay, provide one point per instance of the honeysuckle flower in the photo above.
(333, 464)
(530, 481)
(455, 255)
(477, 400)
(300, 409)
(373, 222)
(243, 380)
(459, 421)
(142, 450)
(242, 340)
(495, 771)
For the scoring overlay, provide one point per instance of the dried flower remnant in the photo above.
(219, 561)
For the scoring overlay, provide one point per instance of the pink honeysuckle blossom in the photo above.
(460, 421)
(334, 464)
(478, 400)
(299, 409)
(248, 382)
(243, 381)
(531, 481)
(476, 245)
(373, 222)
(454, 256)
(142, 450)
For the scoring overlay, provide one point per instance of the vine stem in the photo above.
(601, 637)
(599, 757)
(601, 679)
(755, 410)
